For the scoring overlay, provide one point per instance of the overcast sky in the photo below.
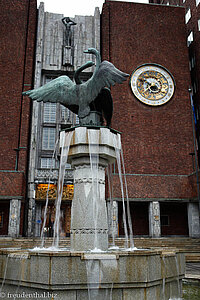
(70, 8)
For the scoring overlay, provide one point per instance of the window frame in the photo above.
(188, 15)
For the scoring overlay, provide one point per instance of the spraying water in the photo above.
(120, 161)
(63, 160)
(95, 276)
(4, 276)
(163, 280)
(117, 151)
(110, 188)
(177, 269)
(16, 255)
(47, 199)
(127, 201)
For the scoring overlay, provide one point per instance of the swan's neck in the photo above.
(77, 73)
(80, 69)
(98, 59)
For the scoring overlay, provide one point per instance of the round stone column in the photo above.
(89, 224)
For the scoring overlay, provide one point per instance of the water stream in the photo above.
(47, 198)
(163, 275)
(96, 268)
(63, 160)
(127, 201)
(164, 270)
(117, 151)
(122, 175)
(9, 262)
(110, 189)
(177, 270)
(4, 277)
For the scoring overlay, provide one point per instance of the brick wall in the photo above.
(156, 140)
(192, 26)
(17, 35)
(12, 184)
(157, 187)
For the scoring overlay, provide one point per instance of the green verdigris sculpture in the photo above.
(80, 97)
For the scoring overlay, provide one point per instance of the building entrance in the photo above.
(174, 219)
(139, 216)
(65, 220)
(4, 218)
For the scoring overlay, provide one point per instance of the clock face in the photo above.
(152, 84)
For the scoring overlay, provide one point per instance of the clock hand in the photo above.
(146, 89)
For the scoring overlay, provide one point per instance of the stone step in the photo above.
(191, 247)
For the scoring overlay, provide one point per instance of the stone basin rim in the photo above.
(69, 253)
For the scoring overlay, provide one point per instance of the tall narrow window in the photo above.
(76, 119)
(193, 61)
(47, 163)
(49, 112)
(190, 38)
(187, 15)
(48, 138)
(65, 114)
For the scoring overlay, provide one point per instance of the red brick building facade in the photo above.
(17, 35)
(192, 23)
(157, 140)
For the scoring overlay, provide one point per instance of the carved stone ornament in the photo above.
(41, 192)
(89, 231)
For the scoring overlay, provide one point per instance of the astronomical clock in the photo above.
(152, 84)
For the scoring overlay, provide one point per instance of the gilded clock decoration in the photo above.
(152, 84)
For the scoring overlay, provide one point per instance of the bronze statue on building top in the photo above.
(68, 23)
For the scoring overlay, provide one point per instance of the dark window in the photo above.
(164, 220)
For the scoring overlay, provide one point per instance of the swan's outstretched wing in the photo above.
(105, 76)
(104, 103)
(58, 90)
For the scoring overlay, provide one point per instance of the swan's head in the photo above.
(91, 51)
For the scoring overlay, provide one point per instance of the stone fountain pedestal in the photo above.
(91, 150)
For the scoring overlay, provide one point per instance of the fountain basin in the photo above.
(139, 274)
